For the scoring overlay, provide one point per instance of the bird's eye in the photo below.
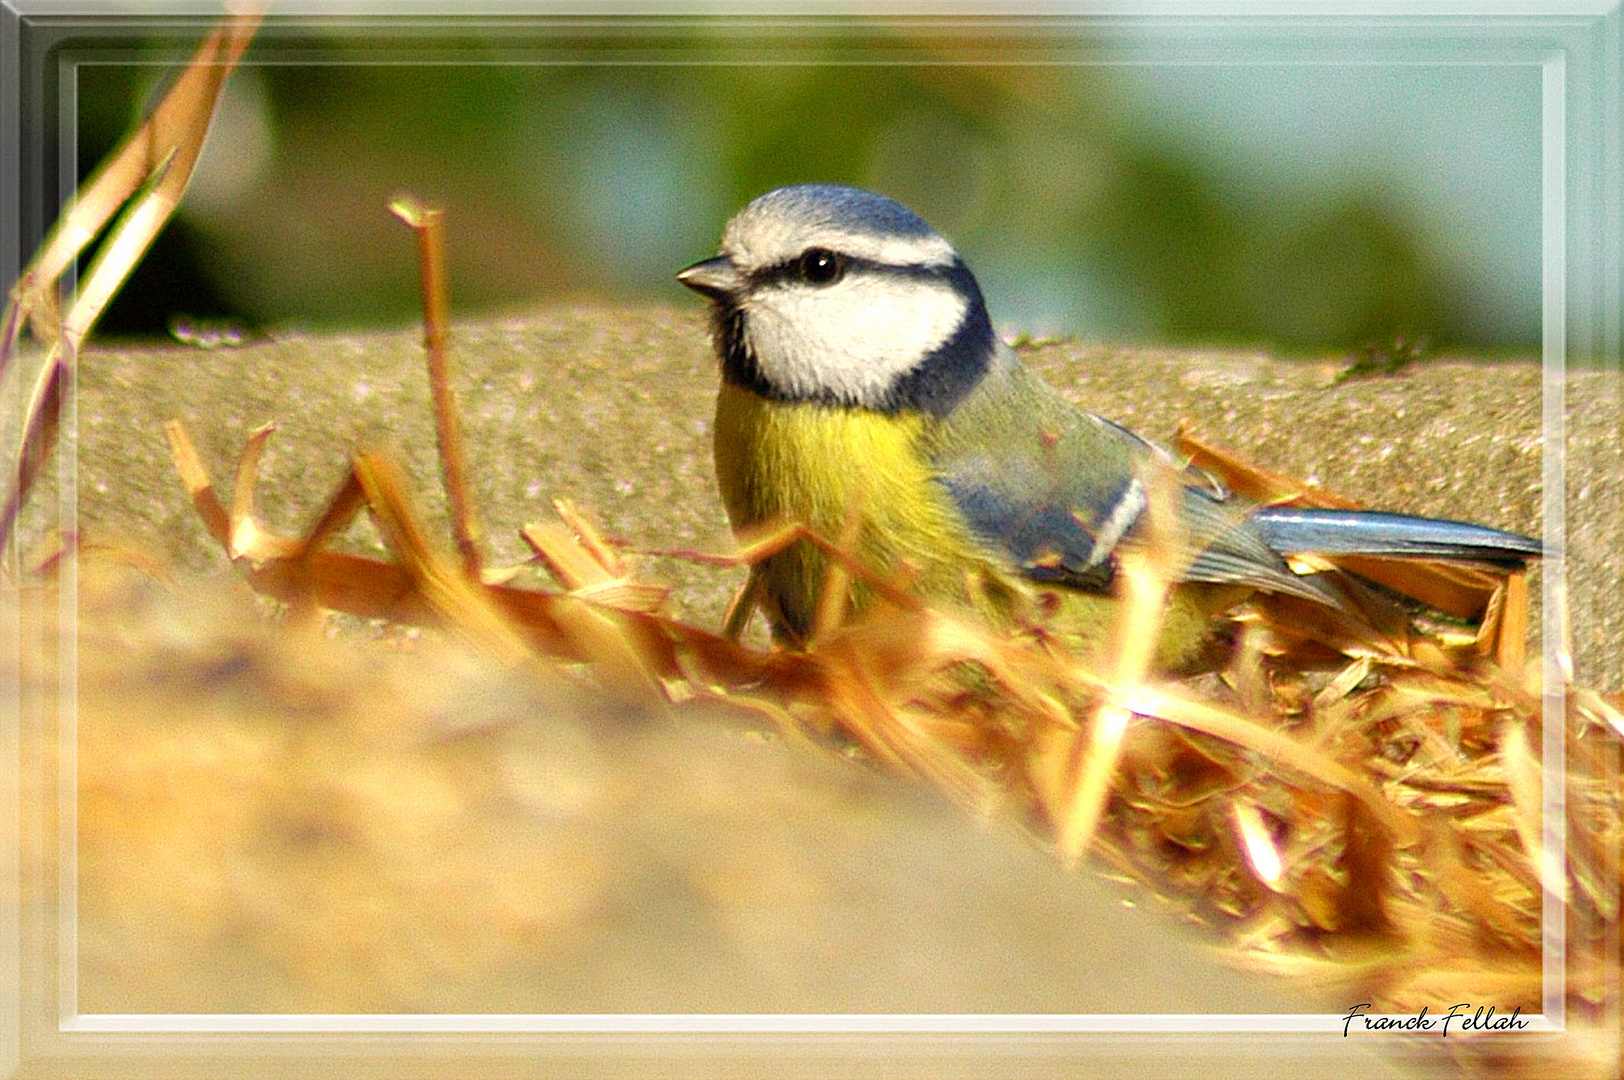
(820, 266)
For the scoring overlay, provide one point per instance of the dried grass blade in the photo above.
(249, 540)
(462, 603)
(14, 315)
(1247, 479)
(1174, 707)
(886, 732)
(566, 559)
(1511, 628)
(1096, 750)
(173, 133)
(132, 232)
(243, 493)
(44, 416)
(1464, 888)
(352, 584)
(1344, 683)
(1524, 780)
(1146, 579)
(1292, 620)
(605, 642)
(195, 475)
(834, 596)
(591, 539)
(1461, 591)
(428, 222)
(861, 711)
(1026, 674)
(1599, 709)
(156, 160)
(624, 594)
(1262, 855)
(770, 542)
(345, 503)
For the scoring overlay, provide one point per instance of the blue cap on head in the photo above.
(849, 207)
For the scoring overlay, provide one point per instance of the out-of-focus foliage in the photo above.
(1118, 202)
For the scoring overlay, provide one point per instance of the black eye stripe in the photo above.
(790, 270)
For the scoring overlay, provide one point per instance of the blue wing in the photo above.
(1060, 491)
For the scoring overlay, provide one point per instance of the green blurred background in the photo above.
(1095, 188)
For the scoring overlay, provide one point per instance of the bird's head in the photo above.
(836, 295)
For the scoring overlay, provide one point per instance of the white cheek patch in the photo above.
(852, 340)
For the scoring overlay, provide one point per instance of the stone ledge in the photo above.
(611, 407)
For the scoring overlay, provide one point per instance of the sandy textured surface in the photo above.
(612, 408)
(271, 821)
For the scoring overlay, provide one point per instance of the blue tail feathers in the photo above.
(1291, 531)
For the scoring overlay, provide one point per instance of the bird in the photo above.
(864, 394)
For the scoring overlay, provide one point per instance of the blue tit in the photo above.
(862, 385)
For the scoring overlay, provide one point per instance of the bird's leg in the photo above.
(741, 607)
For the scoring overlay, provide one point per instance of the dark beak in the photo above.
(717, 279)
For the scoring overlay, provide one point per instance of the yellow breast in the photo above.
(821, 466)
